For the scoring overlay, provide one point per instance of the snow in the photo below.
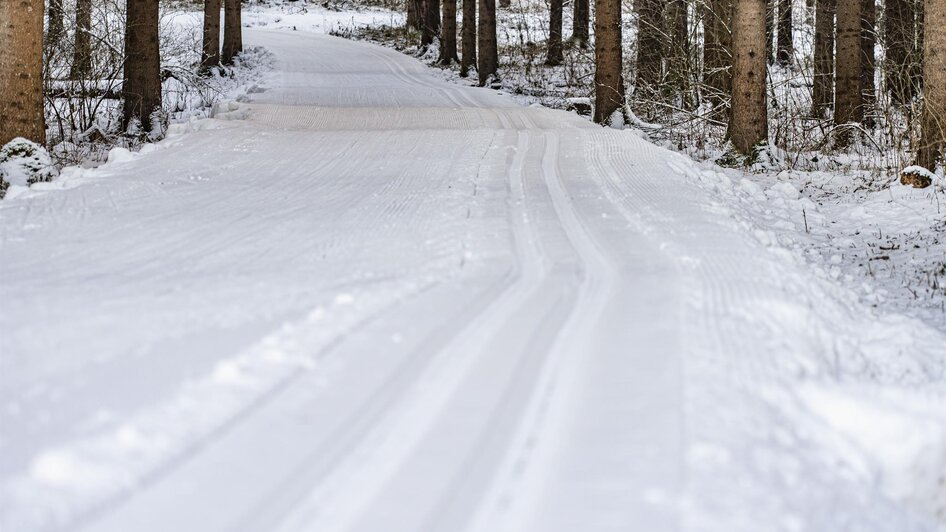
(360, 298)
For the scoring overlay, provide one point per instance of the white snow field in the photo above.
(369, 300)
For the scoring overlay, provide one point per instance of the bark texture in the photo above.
(933, 142)
(785, 48)
(717, 50)
(609, 81)
(210, 55)
(141, 89)
(770, 30)
(431, 28)
(678, 46)
(900, 47)
(448, 45)
(21, 71)
(55, 27)
(581, 17)
(488, 60)
(822, 94)
(848, 102)
(232, 31)
(649, 46)
(82, 46)
(748, 125)
(554, 54)
(868, 43)
(468, 39)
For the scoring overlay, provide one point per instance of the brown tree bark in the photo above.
(210, 55)
(581, 16)
(82, 44)
(932, 147)
(468, 39)
(21, 71)
(868, 61)
(55, 27)
(822, 94)
(554, 54)
(848, 100)
(414, 10)
(678, 46)
(785, 48)
(232, 31)
(748, 125)
(900, 49)
(609, 79)
(649, 47)
(488, 59)
(448, 44)
(141, 88)
(431, 28)
(717, 50)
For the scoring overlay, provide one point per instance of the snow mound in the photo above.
(24, 162)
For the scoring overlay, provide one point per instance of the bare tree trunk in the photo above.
(822, 94)
(468, 40)
(21, 71)
(678, 52)
(920, 8)
(431, 27)
(486, 42)
(900, 46)
(555, 55)
(868, 42)
(55, 28)
(82, 47)
(770, 31)
(649, 47)
(414, 10)
(609, 80)
(448, 46)
(232, 31)
(848, 100)
(717, 50)
(581, 16)
(933, 142)
(210, 56)
(748, 125)
(141, 89)
(785, 48)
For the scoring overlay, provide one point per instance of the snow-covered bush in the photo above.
(22, 163)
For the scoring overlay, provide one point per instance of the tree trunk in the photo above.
(210, 56)
(785, 48)
(141, 88)
(748, 125)
(649, 47)
(770, 31)
(933, 141)
(431, 27)
(486, 42)
(21, 71)
(900, 46)
(555, 55)
(414, 10)
(82, 47)
(448, 45)
(232, 31)
(468, 40)
(55, 28)
(580, 22)
(868, 42)
(920, 8)
(717, 50)
(678, 53)
(822, 94)
(848, 102)
(609, 81)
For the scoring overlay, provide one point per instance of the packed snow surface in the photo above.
(369, 300)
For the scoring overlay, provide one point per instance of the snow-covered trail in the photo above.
(371, 300)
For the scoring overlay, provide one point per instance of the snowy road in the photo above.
(369, 300)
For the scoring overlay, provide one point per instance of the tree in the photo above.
(717, 50)
(868, 43)
(933, 121)
(581, 16)
(785, 48)
(21, 71)
(900, 49)
(822, 94)
(55, 28)
(210, 55)
(770, 31)
(141, 88)
(748, 124)
(468, 39)
(431, 27)
(609, 80)
(486, 42)
(82, 47)
(448, 46)
(848, 100)
(555, 55)
(649, 46)
(678, 46)
(415, 8)
(232, 31)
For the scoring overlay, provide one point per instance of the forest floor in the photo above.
(364, 298)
